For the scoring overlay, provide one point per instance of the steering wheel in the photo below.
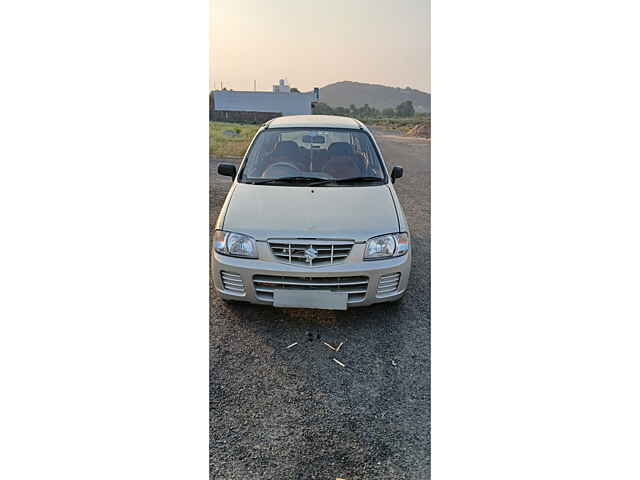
(281, 164)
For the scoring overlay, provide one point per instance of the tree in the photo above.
(388, 112)
(322, 109)
(366, 110)
(294, 90)
(405, 109)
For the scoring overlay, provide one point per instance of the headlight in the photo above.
(234, 244)
(387, 246)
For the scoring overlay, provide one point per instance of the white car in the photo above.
(312, 219)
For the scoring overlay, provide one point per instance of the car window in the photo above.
(332, 154)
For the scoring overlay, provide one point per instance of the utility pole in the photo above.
(254, 86)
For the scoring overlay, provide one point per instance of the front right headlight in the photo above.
(234, 244)
(387, 246)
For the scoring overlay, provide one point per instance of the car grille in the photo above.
(355, 287)
(388, 284)
(328, 252)
(232, 282)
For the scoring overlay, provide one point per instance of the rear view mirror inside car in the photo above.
(313, 139)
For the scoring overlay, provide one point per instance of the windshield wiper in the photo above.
(355, 180)
(296, 179)
(314, 181)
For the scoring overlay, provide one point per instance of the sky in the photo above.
(312, 44)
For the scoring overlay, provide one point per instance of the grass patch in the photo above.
(402, 125)
(221, 145)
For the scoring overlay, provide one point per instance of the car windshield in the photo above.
(304, 156)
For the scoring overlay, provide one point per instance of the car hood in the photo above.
(268, 211)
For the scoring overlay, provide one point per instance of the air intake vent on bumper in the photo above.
(232, 282)
(388, 284)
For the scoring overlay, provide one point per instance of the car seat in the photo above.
(340, 148)
(319, 159)
(304, 160)
(343, 166)
(288, 148)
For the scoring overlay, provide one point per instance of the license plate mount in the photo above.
(321, 299)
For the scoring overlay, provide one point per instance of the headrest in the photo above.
(288, 148)
(340, 148)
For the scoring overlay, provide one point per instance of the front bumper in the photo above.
(246, 269)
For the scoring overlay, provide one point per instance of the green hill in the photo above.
(343, 94)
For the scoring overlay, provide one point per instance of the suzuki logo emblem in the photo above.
(310, 254)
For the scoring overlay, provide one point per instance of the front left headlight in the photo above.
(234, 244)
(387, 246)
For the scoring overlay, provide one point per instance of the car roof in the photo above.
(314, 121)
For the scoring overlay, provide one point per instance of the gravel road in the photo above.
(278, 413)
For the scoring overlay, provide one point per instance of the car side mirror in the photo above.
(396, 173)
(227, 169)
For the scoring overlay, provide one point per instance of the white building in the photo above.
(280, 100)
(281, 87)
